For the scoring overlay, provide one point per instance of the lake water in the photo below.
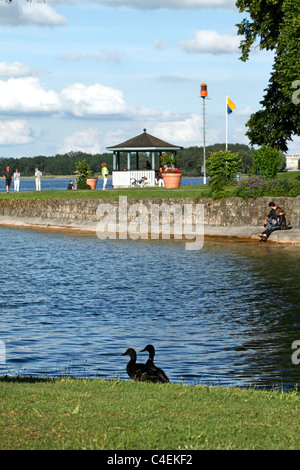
(51, 184)
(224, 315)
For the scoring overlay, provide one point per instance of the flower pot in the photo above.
(172, 179)
(92, 182)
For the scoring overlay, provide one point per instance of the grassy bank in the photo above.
(155, 192)
(118, 415)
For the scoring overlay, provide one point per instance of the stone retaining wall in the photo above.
(229, 212)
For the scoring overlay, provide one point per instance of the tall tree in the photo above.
(276, 24)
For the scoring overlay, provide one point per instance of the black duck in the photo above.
(135, 371)
(141, 372)
(161, 375)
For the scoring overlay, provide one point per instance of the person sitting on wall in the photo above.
(70, 185)
(275, 220)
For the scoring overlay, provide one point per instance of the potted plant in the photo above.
(85, 176)
(171, 175)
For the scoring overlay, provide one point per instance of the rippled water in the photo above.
(72, 304)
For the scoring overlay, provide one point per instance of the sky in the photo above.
(82, 75)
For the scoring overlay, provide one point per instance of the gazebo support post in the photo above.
(128, 160)
(153, 160)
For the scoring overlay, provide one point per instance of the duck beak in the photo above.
(143, 350)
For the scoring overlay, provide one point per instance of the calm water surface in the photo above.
(225, 315)
(55, 184)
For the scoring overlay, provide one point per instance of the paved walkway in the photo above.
(243, 233)
(210, 232)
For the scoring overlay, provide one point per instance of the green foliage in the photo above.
(83, 171)
(171, 159)
(276, 24)
(224, 164)
(191, 161)
(267, 162)
(257, 186)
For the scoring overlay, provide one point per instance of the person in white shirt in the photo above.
(17, 180)
(38, 175)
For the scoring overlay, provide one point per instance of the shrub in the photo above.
(224, 164)
(256, 186)
(222, 167)
(83, 172)
(267, 161)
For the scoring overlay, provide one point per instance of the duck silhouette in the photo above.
(141, 372)
(162, 376)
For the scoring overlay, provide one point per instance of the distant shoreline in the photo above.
(73, 177)
(52, 177)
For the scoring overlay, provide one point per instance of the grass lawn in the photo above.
(155, 192)
(289, 174)
(125, 415)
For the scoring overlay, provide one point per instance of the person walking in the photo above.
(104, 172)
(16, 181)
(7, 176)
(38, 175)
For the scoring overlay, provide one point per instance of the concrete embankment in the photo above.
(230, 218)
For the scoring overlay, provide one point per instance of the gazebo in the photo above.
(143, 143)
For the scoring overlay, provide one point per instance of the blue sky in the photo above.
(84, 75)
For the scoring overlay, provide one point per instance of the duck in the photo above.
(162, 376)
(141, 372)
(136, 371)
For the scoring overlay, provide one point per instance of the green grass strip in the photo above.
(125, 415)
(139, 193)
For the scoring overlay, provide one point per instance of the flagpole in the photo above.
(226, 113)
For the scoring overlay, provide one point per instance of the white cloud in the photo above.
(16, 69)
(158, 4)
(161, 44)
(294, 146)
(207, 41)
(81, 100)
(72, 56)
(87, 140)
(105, 56)
(91, 140)
(180, 132)
(245, 112)
(188, 131)
(15, 132)
(26, 95)
(20, 12)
